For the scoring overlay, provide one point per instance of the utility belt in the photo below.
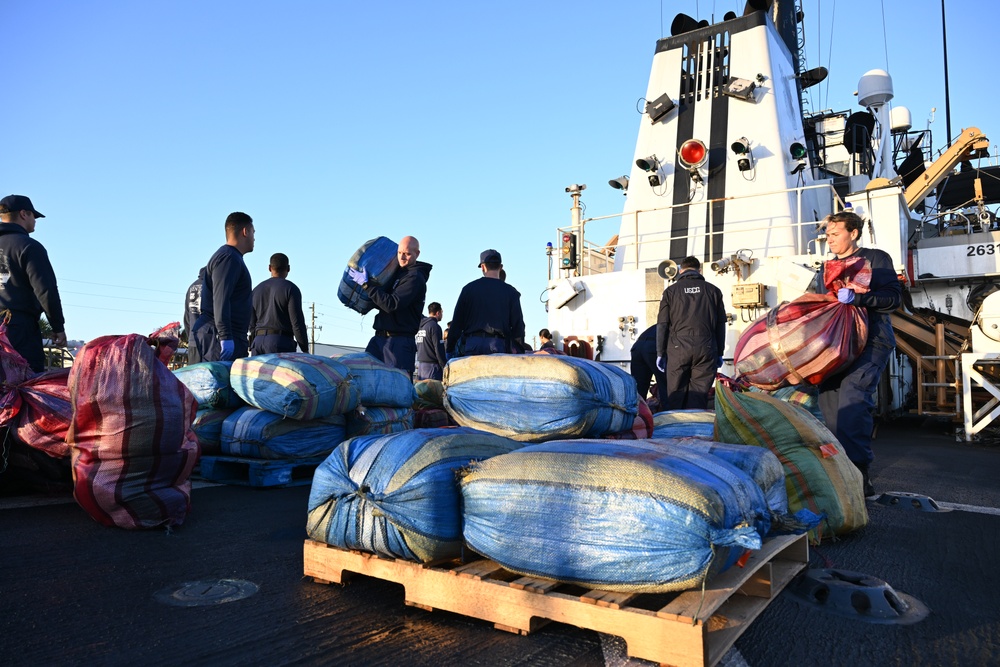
(272, 332)
(393, 334)
(485, 334)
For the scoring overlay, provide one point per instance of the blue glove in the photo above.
(226, 350)
(360, 277)
(661, 364)
(845, 295)
(718, 362)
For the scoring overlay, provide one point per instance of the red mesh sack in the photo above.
(133, 447)
(14, 370)
(809, 339)
(45, 413)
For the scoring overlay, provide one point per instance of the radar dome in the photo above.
(900, 120)
(874, 88)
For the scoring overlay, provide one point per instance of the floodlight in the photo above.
(620, 183)
(650, 163)
(741, 146)
(797, 151)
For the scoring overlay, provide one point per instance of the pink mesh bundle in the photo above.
(809, 339)
(133, 447)
(46, 413)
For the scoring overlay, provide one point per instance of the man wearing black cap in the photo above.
(277, 321)
(27, 282)
(488, 317)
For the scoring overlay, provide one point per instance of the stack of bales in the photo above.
(635, 515)
(297, 404)
(386, 396)
(684, 424)
(208, 382)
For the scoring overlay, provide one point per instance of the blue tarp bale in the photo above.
(611, 514)
(295, 385)
(261, 434)
(397, 495)
(684, 423)
(760, 464)
(209, 382)
(379, 383)
(207, 427)
(378, 257)
(377, 419)
(538, 397)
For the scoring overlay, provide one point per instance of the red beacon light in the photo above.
(693, 153)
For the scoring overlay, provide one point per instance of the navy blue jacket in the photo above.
(490, 306)
(226, 294)
(27, 281)
(401, 304)
(692, 317)
(430, 348)
(277, 305)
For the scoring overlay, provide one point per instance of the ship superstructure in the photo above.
(731, 167)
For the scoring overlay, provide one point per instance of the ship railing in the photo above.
(594, 258)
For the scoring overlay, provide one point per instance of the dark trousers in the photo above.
(396, 351)
(26, 338)
(475, 345)
(272, 343)
(428, 371)
(690, 374)
(205, 342)
(643, 370)
(848, 402)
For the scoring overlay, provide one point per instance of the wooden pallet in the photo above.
(686, 628)
(258, 472)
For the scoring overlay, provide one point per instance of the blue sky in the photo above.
(136, 127)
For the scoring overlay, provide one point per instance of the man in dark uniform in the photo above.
(847, 399)
(430, 346)
(488, 317)
(400, 306)
(277, 321)
(192, 309)
(27, 282)
(690, 335)
(220, 332)
(643, 367)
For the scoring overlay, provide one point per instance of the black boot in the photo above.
(869, 488)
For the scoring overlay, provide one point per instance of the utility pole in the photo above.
(312, 329)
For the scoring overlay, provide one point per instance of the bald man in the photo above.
(400, 306)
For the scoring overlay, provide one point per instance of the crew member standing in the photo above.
(27, 282)
(690, 335)
(220, 332)
(277, 321)
(488, 318)
(400, 306)
(643, 367)
(430, 345)
(847, 399)
(192, 309)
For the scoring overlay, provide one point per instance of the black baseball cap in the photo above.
(490, 255)
(15, 203)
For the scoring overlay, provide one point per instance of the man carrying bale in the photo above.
(399, 307)
(692, 327)
(488, 318)
(277, 321)
(847, 399)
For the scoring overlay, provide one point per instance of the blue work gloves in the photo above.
(718, 362)
(845, 295)
(226, 350)
(360, 277)
(661, 364)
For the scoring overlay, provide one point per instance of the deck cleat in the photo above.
(910, 500)
(857, 595)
